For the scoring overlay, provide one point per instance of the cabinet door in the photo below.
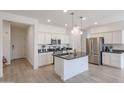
(41, 38)
(42, 60)
(49, 58)
(106, 58)
(116, 60)
(55, 36)
(62, 39)
(66, 39)
(117, 37)
(48, 38)
(108, 38)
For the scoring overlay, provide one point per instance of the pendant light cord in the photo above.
(81, 22)
(72, 19)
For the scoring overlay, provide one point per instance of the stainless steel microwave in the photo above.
(53, 41)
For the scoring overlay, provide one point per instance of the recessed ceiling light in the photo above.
(81, 33)
(48, 20)
(66, 24)
(65, 11)
(95, 23)
(84, 18)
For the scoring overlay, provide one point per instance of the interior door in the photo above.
(17, 44)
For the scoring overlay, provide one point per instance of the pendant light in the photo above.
(81, 30)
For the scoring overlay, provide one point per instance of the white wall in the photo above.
(1, 47)
(35, 27)
(6, 41)
(30, 45)
(18, 35)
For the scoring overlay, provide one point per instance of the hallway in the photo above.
(20, 71)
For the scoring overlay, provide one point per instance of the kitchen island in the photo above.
(70, 65)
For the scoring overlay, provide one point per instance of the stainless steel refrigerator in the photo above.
(94, 47)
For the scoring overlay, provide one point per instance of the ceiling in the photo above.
(59, 18)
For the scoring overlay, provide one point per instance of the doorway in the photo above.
(30, 46)
(18, 42)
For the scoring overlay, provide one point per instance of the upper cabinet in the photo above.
(113, 37)
(41, 38)
(107, 38)
(65, 39)
(55, 36)
(48, 38)
(45, 38)
(97, 35)
(116, 37)
(62, 39)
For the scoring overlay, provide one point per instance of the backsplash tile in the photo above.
(116, 46)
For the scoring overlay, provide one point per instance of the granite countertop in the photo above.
(53, 50)
(44, 52)
(70, 56)
(115, 51)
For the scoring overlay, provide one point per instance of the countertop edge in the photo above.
(71, 58)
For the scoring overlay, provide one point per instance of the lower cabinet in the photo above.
(106, 58)
(45, 59)
(113, 59)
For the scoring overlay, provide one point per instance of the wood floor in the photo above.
(20, 71)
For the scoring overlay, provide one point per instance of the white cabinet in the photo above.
(41, 38)
(66, 39)
(45, 38)
(97, 35)
(106, 58)
(45, 59)
(62, 39)
(117, 37)
(48, 38)
(108, 38)
(56, 36)
(113, 59)
(41, 60)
